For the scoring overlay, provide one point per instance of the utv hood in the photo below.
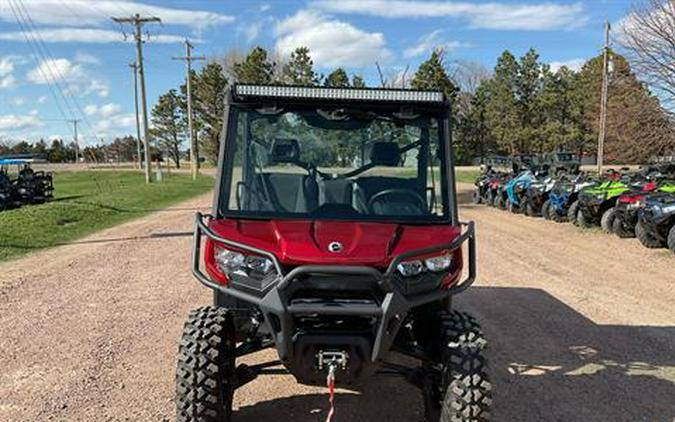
(306, 242)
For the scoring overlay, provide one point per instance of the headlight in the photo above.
(228, 261)
(416, 267)
(439, 263)
(259, 264)
(410, 268)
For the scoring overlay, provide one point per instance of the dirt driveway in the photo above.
(581, 328)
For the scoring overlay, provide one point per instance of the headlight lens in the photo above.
(439, 263)
(410, 268)
(259, 264)
(434, 264)
(228, 261)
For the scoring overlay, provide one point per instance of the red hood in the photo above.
(302, 242)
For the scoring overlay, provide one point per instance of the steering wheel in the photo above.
(387, 192)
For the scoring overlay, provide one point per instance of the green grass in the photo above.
(85, 202)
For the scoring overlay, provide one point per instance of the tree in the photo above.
(337, 79)
(209, 108)
(255, 69)
(358, 82)
(168, 125)
(648, 35)
(431, 75)
(501, 109)
(527, 90)
(299, 69)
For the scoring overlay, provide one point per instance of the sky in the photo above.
(66, 59)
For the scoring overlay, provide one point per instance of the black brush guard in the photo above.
(278, 313)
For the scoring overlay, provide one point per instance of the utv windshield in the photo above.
(334, 163)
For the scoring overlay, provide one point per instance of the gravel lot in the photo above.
(581, 328)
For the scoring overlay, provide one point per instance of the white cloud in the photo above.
(500, 16)
(73, 75)
(7, 81)
(97, 13)
(331, 42)
(109, 110)
(86, 58)
(429, 42)
(573, 64)
(105, 127)
(13, 122)
(42, 99)
(86, 35)
(90, 109)
(18, 101)
(265, 7)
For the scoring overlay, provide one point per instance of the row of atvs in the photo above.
(24, 186)
(638, 204)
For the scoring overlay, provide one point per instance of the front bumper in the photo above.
(279, 312)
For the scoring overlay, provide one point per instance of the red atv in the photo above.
(334, 238)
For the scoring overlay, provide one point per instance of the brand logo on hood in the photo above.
(335, 247)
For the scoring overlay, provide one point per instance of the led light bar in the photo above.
(355, 94)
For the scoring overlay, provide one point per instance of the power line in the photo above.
(137, 21)
(194, 149)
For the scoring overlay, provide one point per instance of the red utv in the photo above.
(334, 238)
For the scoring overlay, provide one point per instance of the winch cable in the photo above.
(330, 383)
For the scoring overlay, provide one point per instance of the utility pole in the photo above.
(77, 144)
(603, 101)
(137, 21)
(194, 149)
(134, 70)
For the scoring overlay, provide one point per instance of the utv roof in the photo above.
(314, 93)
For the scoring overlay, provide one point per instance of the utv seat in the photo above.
(295, 193)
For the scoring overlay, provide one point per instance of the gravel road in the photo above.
(581, 328)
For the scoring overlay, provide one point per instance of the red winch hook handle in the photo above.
(330, 383)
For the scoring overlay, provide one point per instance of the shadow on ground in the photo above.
(548, 363)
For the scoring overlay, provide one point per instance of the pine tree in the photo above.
(431, 75)
(337, 78)
(358, 82)
(208, 96)
(501, 110)
(255, 69)
(168, 126)
(299, 69)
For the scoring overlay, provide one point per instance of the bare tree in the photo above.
(648, 36)
(468, 75)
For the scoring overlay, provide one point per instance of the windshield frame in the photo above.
(444, 165)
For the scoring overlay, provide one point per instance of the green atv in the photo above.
(596, 204)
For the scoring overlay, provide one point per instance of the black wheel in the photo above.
(646, 238)
(530, 211)
(572, 212)
(622, 229)
(554, 215)
(607, 220)
(476, 197)
(205, 370)
(671, 239)
(460, 391)
(545, 210)
(583, 221)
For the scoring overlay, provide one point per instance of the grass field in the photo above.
(87, 201)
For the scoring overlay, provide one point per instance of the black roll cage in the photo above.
(228, 138)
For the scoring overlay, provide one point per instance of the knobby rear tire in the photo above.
(607, 220)
(647, 240)
(671, 239)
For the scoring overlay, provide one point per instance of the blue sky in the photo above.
(74, 42)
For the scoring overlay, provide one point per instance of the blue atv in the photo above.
(563, 204)
(516, 191)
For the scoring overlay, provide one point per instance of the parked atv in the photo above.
(563, 204)
(9, 197)
(30, 187)
(628, 204)
(338, 270)
(516, 191)
(656, 221)
(596, 204)
(537, 196)
(560, 163)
